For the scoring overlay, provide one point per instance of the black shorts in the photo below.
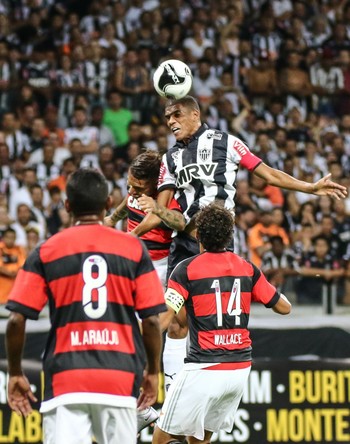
(182, 247)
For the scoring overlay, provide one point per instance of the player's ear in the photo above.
(109, 203)
(67, 206)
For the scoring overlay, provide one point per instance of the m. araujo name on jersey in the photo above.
(205, 169)
(94, 337)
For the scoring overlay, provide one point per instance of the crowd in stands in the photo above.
(76, 90)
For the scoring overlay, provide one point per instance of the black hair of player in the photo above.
(214, 225)
(87, 192)
(146, 166)
(187, 102)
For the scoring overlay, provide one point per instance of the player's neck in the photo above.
(88, 219)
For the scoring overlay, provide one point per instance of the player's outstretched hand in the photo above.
(147, 204)
(149, 391)
(326, 187)
(20, 394)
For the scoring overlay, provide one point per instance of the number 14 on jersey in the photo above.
(234, 302)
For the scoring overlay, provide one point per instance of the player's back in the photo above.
(221, 287)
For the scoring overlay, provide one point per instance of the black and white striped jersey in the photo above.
(205, 170)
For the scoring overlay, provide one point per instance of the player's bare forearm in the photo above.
(118, 214)
(15, 336)
(152, 340)
(148, 223)
(323, 187)
(172, 218)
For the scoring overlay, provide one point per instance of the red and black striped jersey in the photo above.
(217, 290)
(157, 240)
(94, 278)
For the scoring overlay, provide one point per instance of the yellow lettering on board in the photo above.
(16, 428)
(33, 427)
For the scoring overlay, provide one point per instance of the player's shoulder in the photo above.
(215, 134)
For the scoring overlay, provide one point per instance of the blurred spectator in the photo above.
(113, 47)
(328, 82)
(97, 71)
(68, 167)
(265, 196)
(93, 23)
(279, 264)
(294, 83)
(5, 220)
(132, 80)
(197, 42)
(117, 119)
(39, 74)
(53, 220)
(88, 136)
(12, 258)
(205, 84)
(26, 116)
(266, 41)
(46, 168)
(260, 234)
(105, 135)
(23, 222)
(317, 269)
(17, 142)
(261, 80)
(245, 218)
(22, 193)
(32, 239)
(69, 81)
(38, 209)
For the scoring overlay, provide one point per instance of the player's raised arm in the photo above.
(323, 187)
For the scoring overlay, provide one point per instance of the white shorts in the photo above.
(78, 423)
(200, 400)
(161, 266)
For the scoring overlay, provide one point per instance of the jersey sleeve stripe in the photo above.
(26, 311)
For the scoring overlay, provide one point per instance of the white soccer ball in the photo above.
(172, 79)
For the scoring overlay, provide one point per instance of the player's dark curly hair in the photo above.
(146, 165)
(87, 192)
(187, 102)
(214, 225)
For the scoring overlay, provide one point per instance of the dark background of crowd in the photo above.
(76, 90)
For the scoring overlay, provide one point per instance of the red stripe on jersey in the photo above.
(205, 304)
(82, 239)
(35, 290)
(148, 284)
(229, 366)
(209, 265)
(70, 289)
(112, 382)
(80, 336)
(224, 339)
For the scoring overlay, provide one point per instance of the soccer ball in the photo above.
(172, 79)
